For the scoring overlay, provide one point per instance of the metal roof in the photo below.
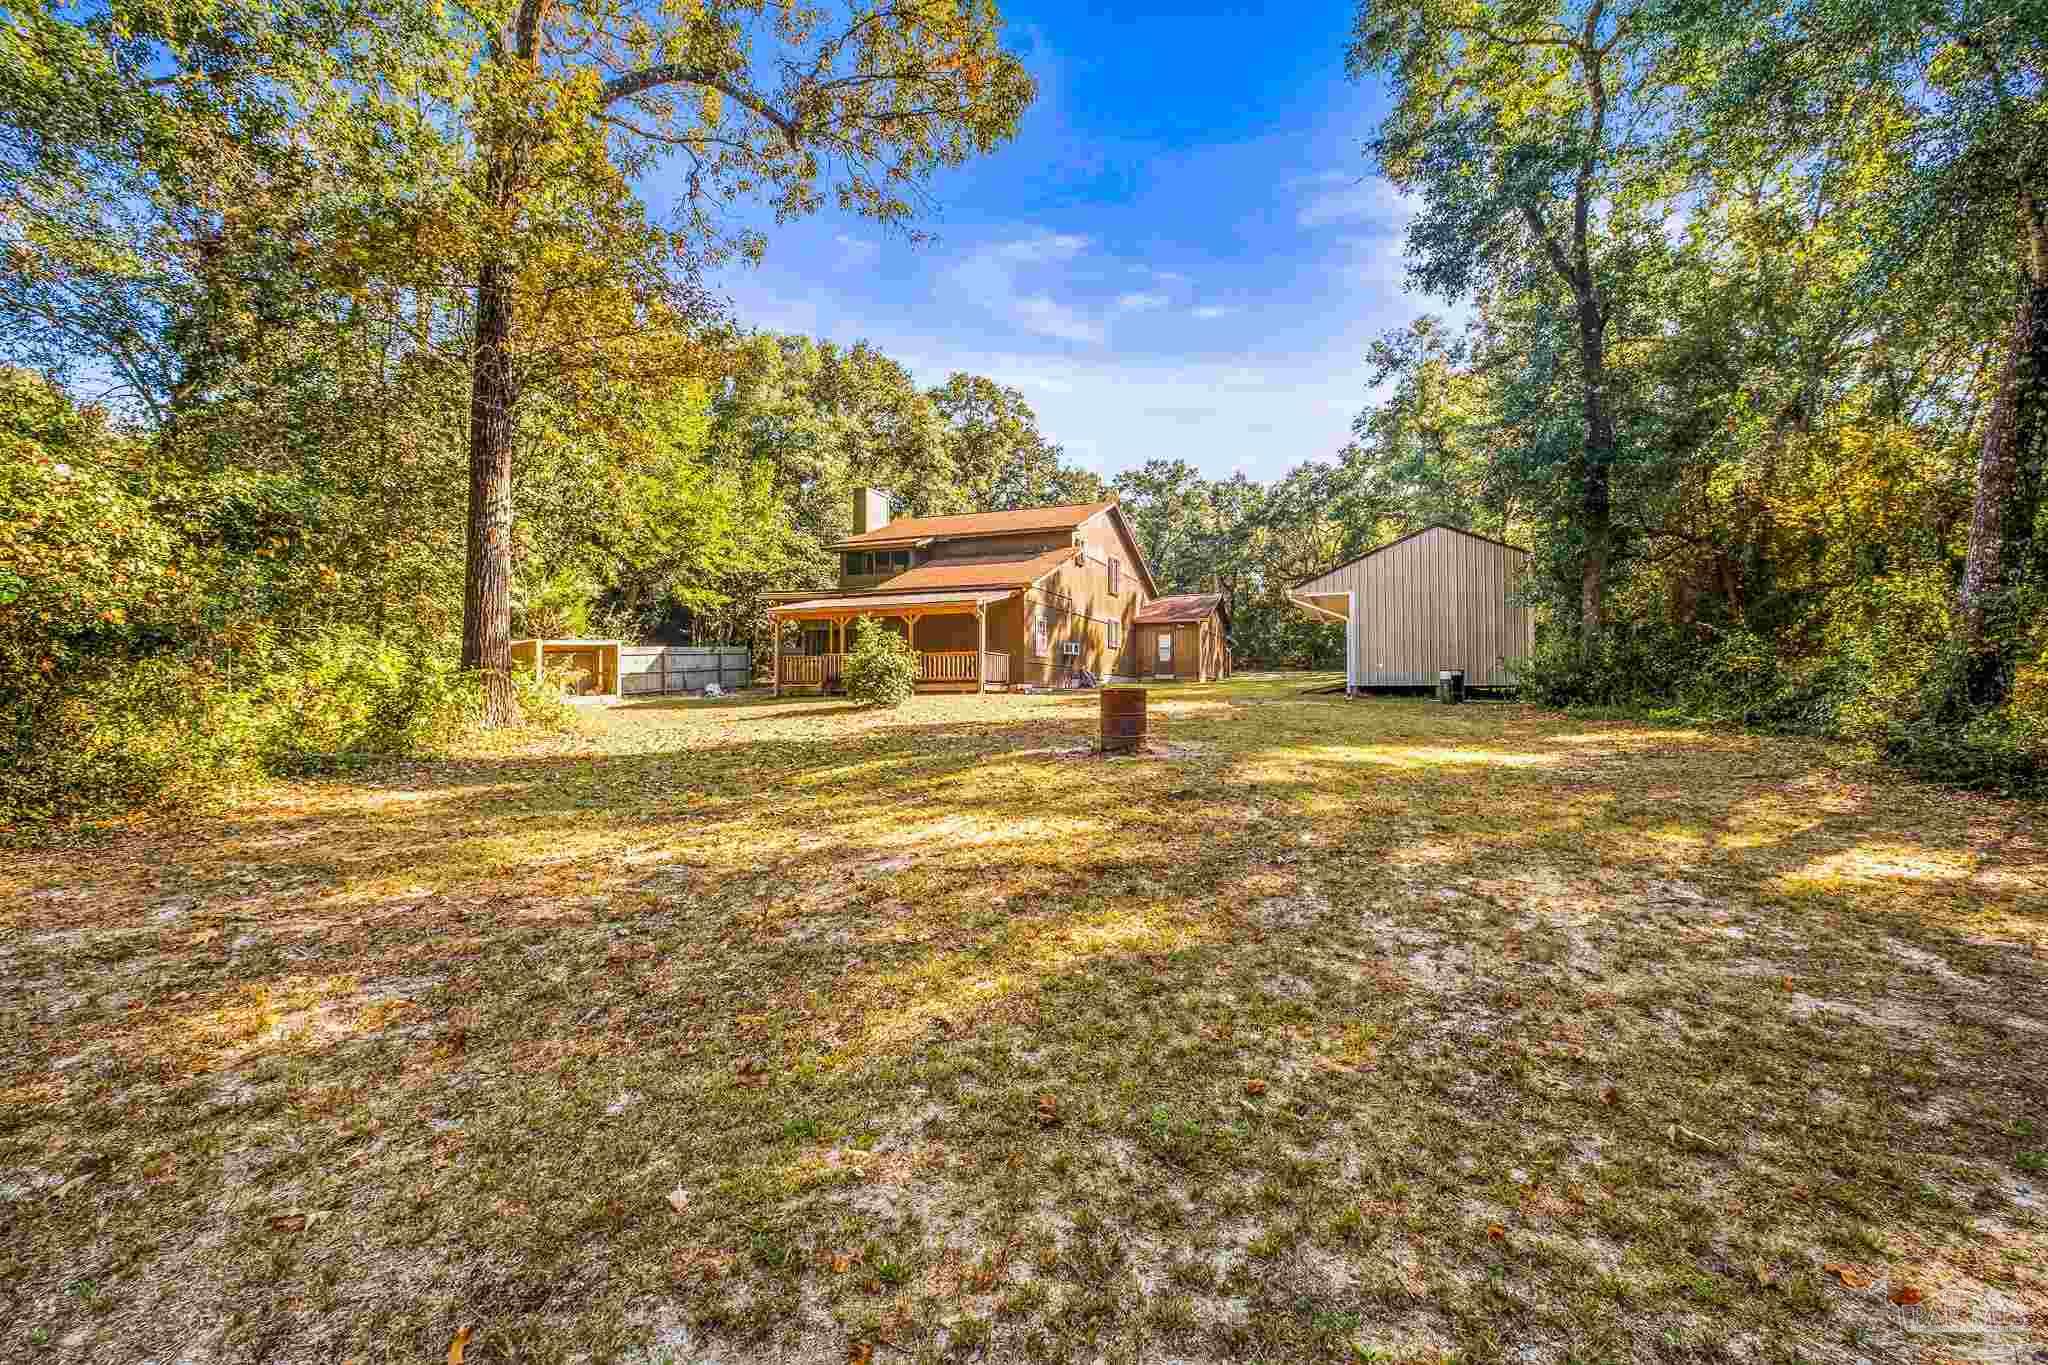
(1188, 606)
(1402, 540)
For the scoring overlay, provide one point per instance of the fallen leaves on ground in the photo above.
(297, 1220)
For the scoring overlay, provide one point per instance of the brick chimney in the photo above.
(870, 510)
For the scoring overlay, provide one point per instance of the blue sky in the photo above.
(1184, 253)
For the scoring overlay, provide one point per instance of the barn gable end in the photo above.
(1438, 599)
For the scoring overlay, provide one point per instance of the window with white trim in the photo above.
(1116, 635)
(1116, 573)
(1041, 640)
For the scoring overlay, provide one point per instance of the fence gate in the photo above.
(648, 670)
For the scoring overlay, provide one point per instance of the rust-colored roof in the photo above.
(1190, 606)
(940, 575)
(978, 573)
(906, 529)
(885, 601)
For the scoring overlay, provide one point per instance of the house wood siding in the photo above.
(1434, 601)
(1060, 574)
(1078, 597)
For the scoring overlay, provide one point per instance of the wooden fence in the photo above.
(648, 670)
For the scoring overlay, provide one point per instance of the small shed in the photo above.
(593, 665)
(1186, 638)
(1437, 599)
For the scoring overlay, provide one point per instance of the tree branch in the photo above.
(648, 78)
(1551, 249)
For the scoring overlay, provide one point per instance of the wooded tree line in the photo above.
(1757, 351)
(344, 346)
(1750, 348)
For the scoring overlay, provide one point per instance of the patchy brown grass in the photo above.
(785, 1031)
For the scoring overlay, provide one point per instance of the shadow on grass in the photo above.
(490, 1013)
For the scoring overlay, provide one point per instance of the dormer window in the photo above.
(869, 563)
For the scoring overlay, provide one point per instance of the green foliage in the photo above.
(880, 668)
(342, 697)
(553, 606)
(1735, 679)
(163, 631)
(124, 732)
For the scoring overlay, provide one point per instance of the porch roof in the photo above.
(887, 603)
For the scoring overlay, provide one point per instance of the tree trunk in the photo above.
(487, 584)
(1596, 509)
(2010, 460)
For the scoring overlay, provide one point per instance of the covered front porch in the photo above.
(948, 631)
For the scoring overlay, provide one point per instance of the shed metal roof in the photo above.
(1188, 606)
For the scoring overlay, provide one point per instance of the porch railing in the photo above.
(811, 670)
(946, 666)
(933, 666)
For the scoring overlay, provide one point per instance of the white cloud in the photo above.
(1334, 197)
(1113, 410)
(1008, 279)
(1045, 248)
(1209, 312)
(1140, 303)
(1042, 314)
(1171, 277)
(857, 252)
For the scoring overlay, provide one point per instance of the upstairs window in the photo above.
(1116, 574)
(864, 563)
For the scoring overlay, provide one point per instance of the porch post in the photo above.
(981, 649)
(775, 627)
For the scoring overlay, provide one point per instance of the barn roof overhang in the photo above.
(1333, 605)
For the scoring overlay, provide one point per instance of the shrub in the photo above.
(113, 733)
(343, 696)
(881, 668)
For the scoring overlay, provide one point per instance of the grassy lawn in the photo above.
(759, 1031)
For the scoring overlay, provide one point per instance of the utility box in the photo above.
(1450, 686)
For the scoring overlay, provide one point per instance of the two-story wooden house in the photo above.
(985, 599)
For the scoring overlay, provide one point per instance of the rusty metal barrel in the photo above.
(1124, 719)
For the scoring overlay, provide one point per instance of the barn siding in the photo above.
(1438, 600)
